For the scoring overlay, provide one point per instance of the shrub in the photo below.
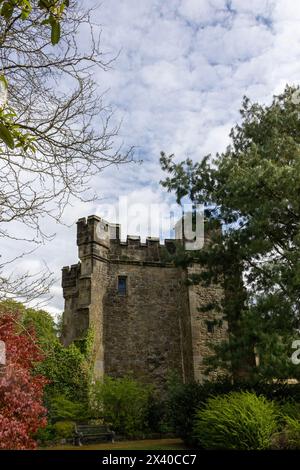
(45, 435)
(238, 420)
(184, 400)
(64, 429)
(157, 416)
(68, 373)
(21, 391)
(61, 408)
(289, 435)
(291, 409)
(123, 403)
(53, 433)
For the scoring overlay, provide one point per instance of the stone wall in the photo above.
(208, 328)
(142, 328)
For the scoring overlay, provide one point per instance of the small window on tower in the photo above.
(122, 285)
(210, 326)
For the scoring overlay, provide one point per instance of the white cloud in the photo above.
(286, 11)
(203, 11)
(255, 8)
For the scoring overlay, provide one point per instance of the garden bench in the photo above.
(92, 433)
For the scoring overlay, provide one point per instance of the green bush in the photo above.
(157, 416)
(183, 400)
(46, 434)
(122, 403)
(64, 429)
(238, 420)
(55, 432)
(61, 408)
(68, 372)
(291, 409)
(289, 435)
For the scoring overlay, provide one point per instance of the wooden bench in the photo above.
(92, 433)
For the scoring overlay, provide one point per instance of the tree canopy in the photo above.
(252, 190)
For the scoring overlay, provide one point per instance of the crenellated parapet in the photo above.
(99, 239)
(93, 229)
(133, 249)
(70, 275)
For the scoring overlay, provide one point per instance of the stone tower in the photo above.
(144, 315)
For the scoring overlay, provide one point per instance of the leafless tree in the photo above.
(53, 91)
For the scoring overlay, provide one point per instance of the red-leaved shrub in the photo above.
(21, 391)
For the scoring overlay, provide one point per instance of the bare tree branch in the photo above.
(56, 99)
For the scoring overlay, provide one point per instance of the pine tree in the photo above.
(252, 190)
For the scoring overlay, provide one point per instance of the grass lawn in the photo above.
(147, 444)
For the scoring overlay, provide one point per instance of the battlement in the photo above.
(70, 275)
(151, 242)
(93, 229)
(97, 237)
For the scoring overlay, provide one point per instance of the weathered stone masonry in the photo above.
(155, 327)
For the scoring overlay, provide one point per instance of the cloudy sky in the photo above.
(177, 84)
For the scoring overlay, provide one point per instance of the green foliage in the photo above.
(184, 400)
(157, 415)
(63, 409)
(51, 12)
(252, 191)
(86, 344)
(6, 135)
(291, 409)
(63, 429)
(122, 402)
(44, 326)
(55, 32)
(239, 420)
(40, 321)
(46, 434)
(55, 432)
(289, 437)
(10, 132)
(68, 371)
